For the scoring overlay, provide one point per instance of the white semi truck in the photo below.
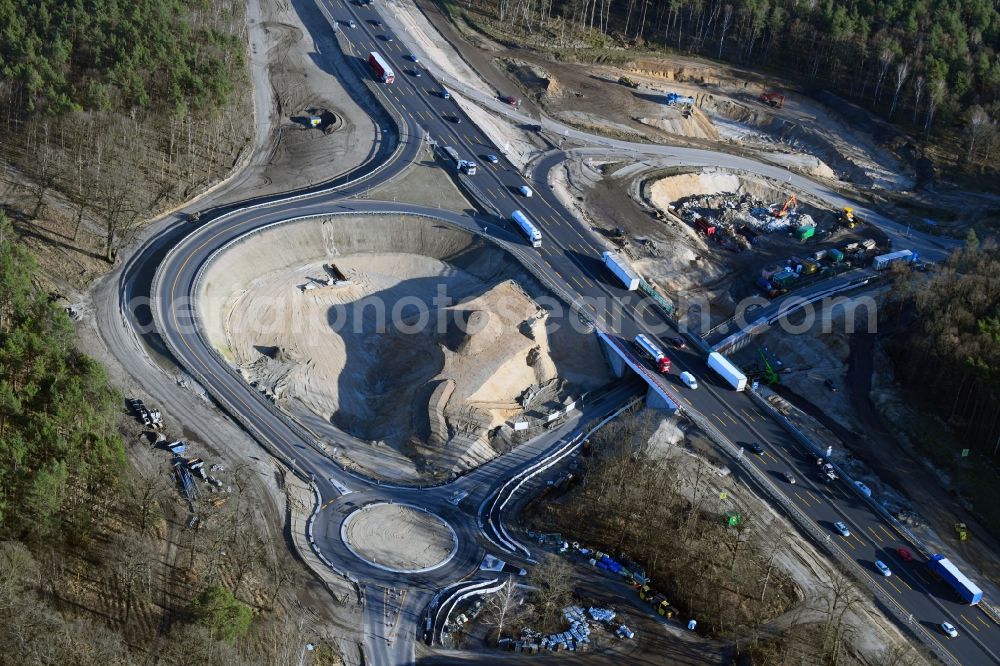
(529, 230)
(884, 261)
(468, 167)
(621, 270)
(725, 369)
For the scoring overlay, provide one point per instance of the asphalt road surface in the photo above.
(568, 260)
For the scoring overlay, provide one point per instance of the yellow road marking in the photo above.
(889, 580)
(968, 621)
(804, 500)
(720, 420)
(888, 533)
(818, 500)
(747, 414)
(875, 535)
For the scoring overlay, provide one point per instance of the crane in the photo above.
(791, 203)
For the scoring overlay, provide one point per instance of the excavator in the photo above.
(791, 203)
(777, 100)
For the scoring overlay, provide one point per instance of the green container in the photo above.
(806, 232)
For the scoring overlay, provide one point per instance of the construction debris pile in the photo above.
(574, 639)
(738, 210)
(185, 468)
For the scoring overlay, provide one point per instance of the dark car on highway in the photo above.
(756, 448)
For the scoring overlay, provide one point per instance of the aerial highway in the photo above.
(569, 262)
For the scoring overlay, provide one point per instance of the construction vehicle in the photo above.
(791, 203)
(646, 593)
(847, 218)
(704, 226)
(666, 610)
(626, 81)
(769, 375)
(682, 101)
(962, 531)
(777, 100)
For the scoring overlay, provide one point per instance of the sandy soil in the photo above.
(805, 134)
(305, 68)
(398, 536)
(362, 357)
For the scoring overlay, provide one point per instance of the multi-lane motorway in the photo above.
(568, 261)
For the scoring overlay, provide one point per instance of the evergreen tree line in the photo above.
(912, 61)
(59, 444)
(58, 56)
(950, 345)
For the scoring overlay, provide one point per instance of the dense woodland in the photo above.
(58, 430)
(58, 56)
(98, 565)
(949, 343)
(924, 63)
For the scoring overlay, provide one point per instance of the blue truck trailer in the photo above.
(949, 573)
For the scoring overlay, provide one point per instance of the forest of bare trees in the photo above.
(707, 569)
(121, 134)
(924, 64)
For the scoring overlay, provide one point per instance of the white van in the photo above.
(689, 380)
(525, 191)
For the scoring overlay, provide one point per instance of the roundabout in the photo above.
(401, 538)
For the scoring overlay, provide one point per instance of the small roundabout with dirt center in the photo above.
(401, 538)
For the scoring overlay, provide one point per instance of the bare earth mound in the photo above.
(435, 339)
(399, 537)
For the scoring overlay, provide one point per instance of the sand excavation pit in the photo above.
(429, 340)
(399, 537)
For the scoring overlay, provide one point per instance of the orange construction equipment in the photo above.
(791, 203)
(777, 100)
